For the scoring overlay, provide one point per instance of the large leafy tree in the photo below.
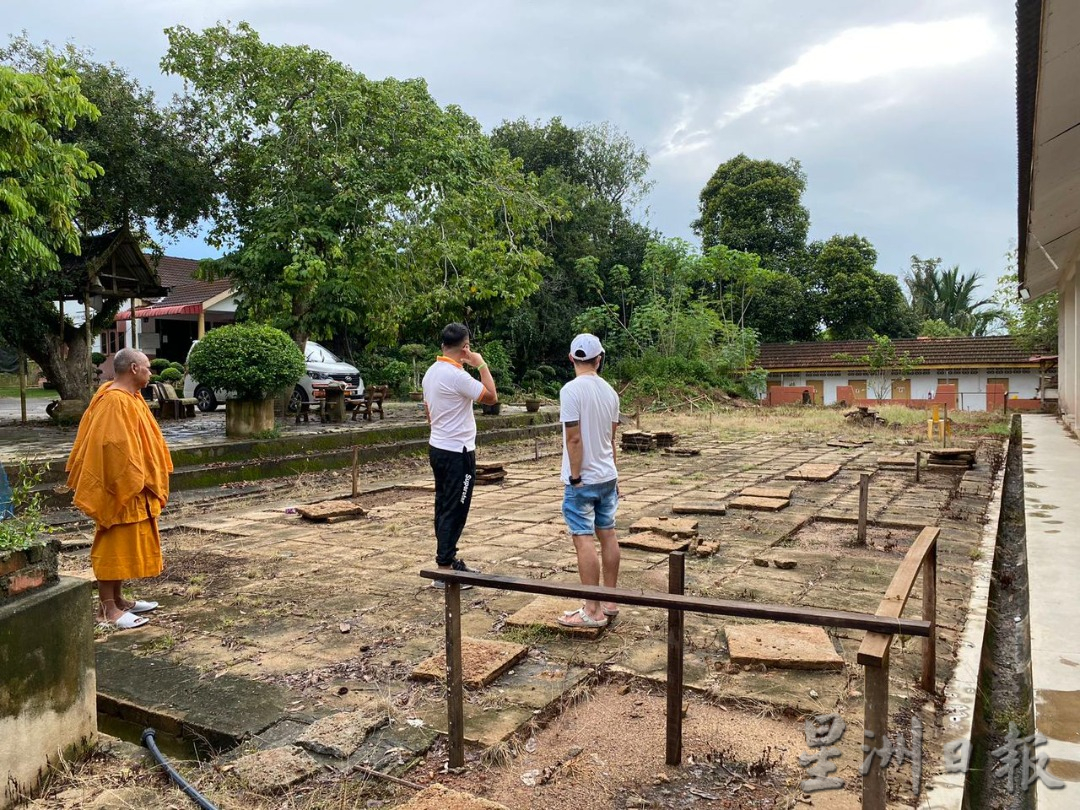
(42, 178)
(150, 172)
(856, 301)
(755, 206)
(595, 175)
(352, 203)
(949, 297)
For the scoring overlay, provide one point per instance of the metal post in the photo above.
(864, 498)
(918, 465)
(876, 717)
(455, 710)
(945, 427)
(676, 584)
(929, 601)
(355, 469)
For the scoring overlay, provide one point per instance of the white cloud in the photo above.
(871, 52)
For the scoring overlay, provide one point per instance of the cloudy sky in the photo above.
(900, 111)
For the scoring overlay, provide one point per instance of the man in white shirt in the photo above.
(589, 411)
(449, 393)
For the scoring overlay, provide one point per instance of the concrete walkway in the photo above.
(1052, 512)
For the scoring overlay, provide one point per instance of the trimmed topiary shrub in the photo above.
(97, 358)
(178, 366)
(171, 375)
(158, 364)
(254, 362)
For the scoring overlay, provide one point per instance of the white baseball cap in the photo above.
(586, 347)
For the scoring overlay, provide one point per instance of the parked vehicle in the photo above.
(322, 366)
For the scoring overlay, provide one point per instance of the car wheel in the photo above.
(298, 398)
(206, 400)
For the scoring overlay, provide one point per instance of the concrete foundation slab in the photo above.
(683, 527)
(482, 661)
(758, 504)
(339, 735)
(779, 491)
(813, 472)
(698, 508)
(651, 541)
(545, 611)
(782, 646)
(275, 770)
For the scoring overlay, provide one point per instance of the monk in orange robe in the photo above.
(119, 469)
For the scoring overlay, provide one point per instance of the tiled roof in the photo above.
(179, 276)
(968, 351)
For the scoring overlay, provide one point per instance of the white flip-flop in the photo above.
(129, 621)
(142, 607)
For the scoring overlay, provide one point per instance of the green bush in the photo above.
(158, 364)
(178, 366)
(97, 358)
(254, 362)
(170, 375)
(26, 527)
(155, 378)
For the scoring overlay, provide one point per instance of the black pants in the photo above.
(455, 476)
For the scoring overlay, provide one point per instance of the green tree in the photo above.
(153, 172)
(42, 178)
(1033, 323)
(593, 175)
(949, 296)
(353, 203)
(855, 300)
(883, 363)
(755, 206)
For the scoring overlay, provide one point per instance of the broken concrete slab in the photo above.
(438, 797)
(898, 462)
(813, 472)
(758, 504)
(782, 491)
(782, 646)
(698, 508)
(331, 510)
(652, 541)
(339, 735)
(482, 662)
(684, 527)
(275, 770)
(545, 611)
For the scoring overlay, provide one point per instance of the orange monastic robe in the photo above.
(119, 469)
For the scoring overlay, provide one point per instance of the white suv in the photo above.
(322, 366)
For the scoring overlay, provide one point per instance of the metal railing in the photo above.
(873, 654)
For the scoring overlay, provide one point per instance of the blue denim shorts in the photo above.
(590, 507)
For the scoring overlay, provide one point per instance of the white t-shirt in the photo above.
(449, 393)
(594, 405)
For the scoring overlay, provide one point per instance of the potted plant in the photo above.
(28, 556)
(415, 351)
(532, 380)
(252, 362)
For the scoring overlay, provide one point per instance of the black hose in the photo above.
(148, 741)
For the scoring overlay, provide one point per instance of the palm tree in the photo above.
(948, 296)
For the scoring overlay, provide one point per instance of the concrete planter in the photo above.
(246, 417)
(532, 404)
(48, 698)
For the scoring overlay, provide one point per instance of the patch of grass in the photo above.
(271, 433)
(162, 644)
(975, 554)
(532, 636)
(12, 392)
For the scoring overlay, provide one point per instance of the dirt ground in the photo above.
(335, 614)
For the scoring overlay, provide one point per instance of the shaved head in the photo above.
(123, 359)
